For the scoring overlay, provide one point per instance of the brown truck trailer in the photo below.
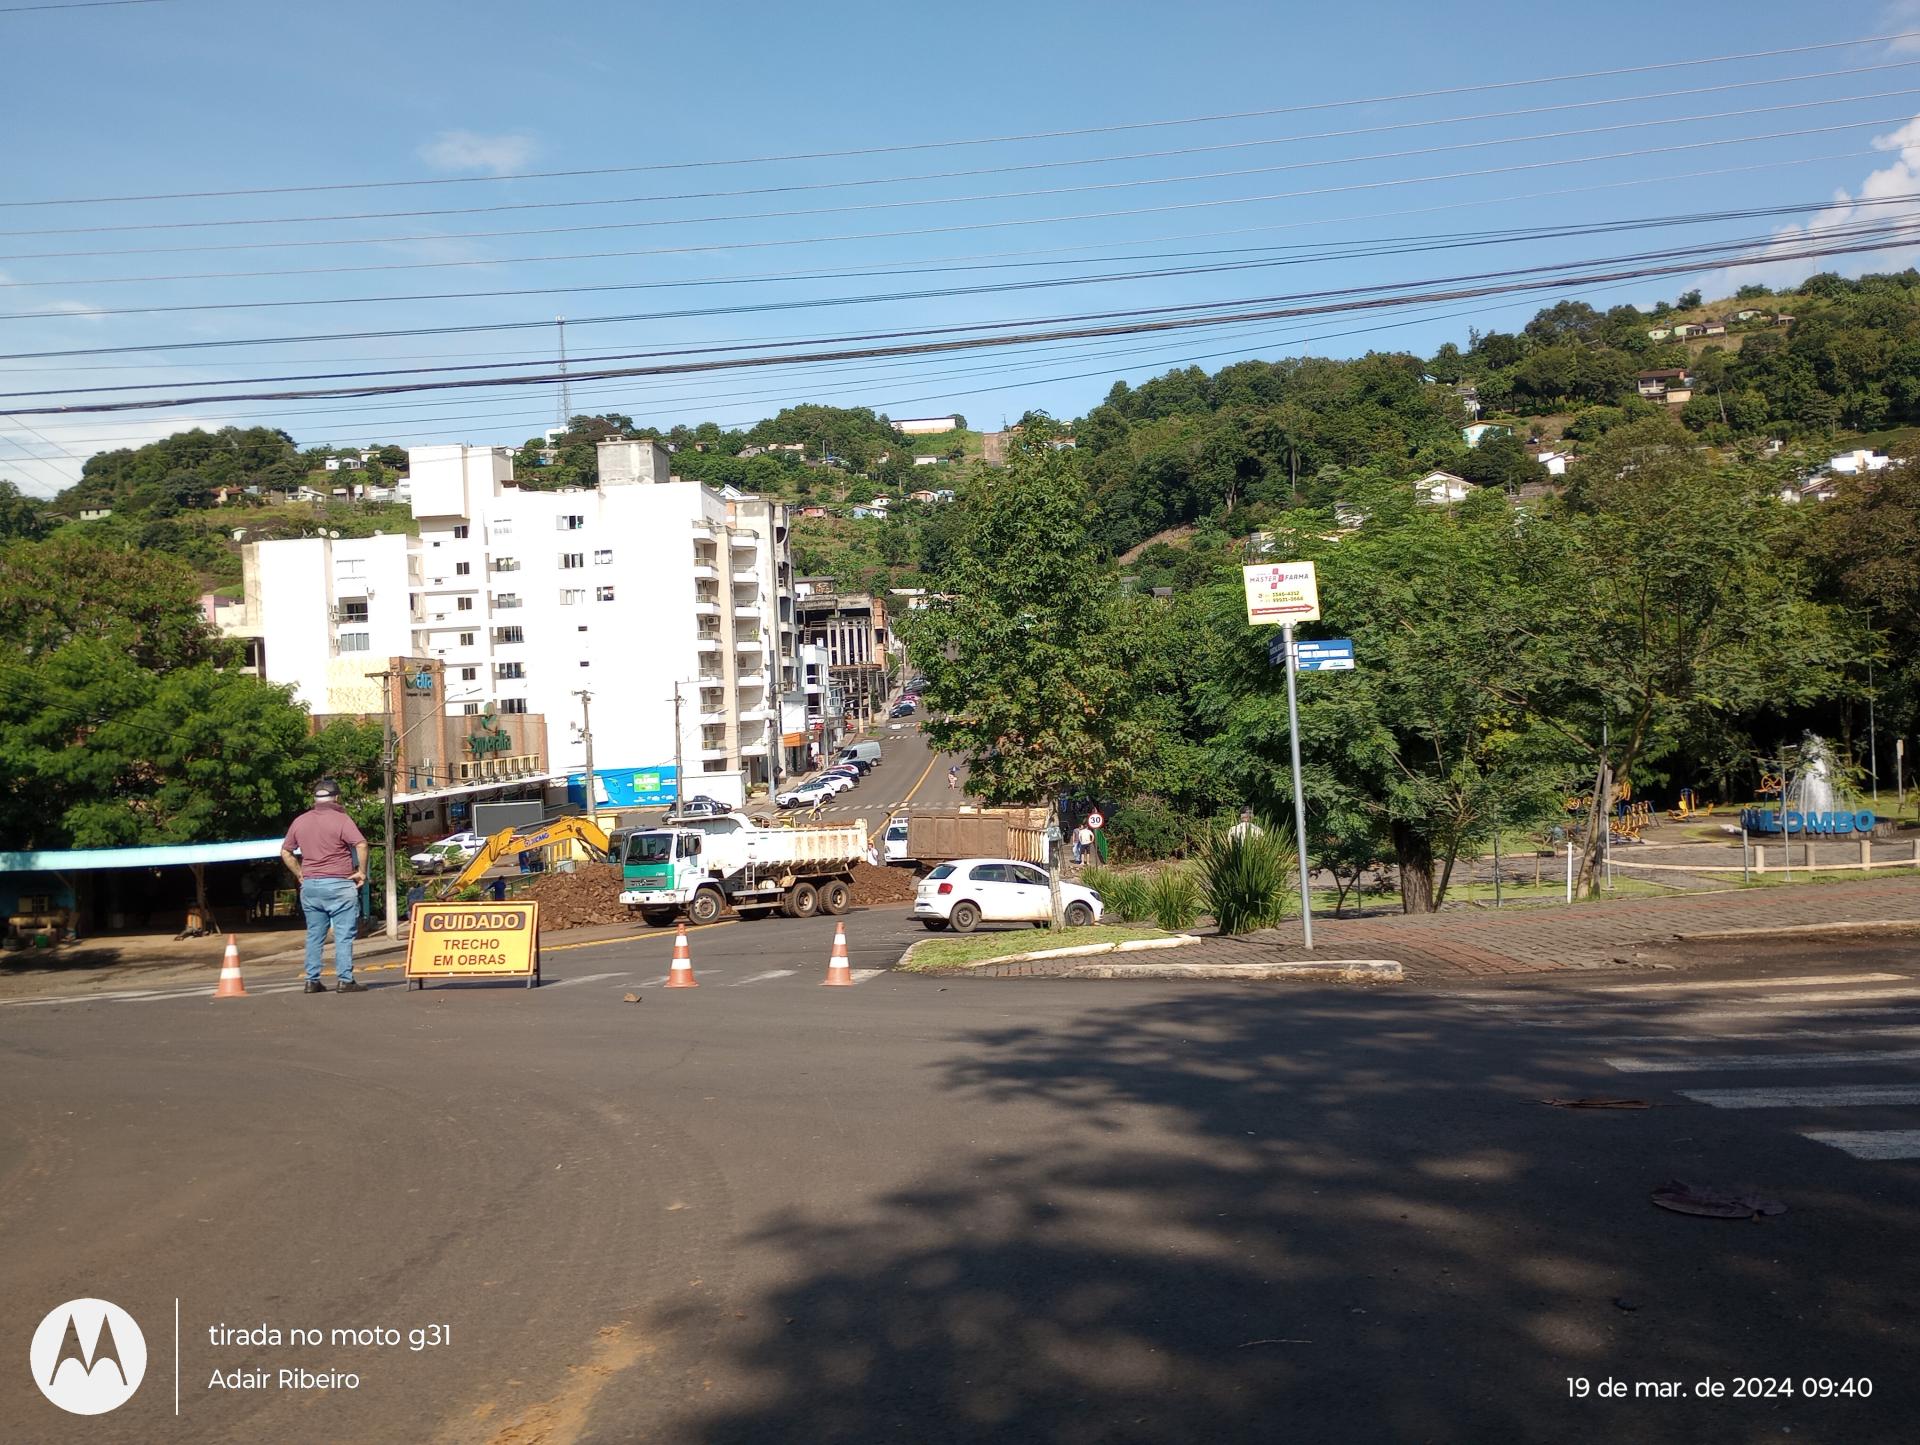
(948, 833)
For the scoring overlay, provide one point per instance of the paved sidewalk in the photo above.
(1469, 942)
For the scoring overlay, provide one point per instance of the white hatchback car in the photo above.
(825, 786)
(971, 891)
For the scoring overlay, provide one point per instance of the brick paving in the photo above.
(1468, 942)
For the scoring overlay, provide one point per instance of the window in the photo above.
(570, 560)
(355, 641)
(513, 704)
(509, 634)
(990, 873)
(585, 663)
(468, 674)
(603, 594)
(503, 527)
(353, 611)
(1022, 874)
(463, 604)
(466, 639)
(460, 532)
(572, 596)
(570, 522)
(469, 709)
(603, 557)
(461, 569)
(510, 669)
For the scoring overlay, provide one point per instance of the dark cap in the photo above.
(326, 788)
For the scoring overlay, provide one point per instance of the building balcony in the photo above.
(713, 716)
(755, 645)
(705, 571)
(746, 574)
(755, 750)
(748, 609)
(741, 542)
(506, 602)
(705, 609)
(759, 714)
(707, 642)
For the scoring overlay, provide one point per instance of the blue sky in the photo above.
(210, 95)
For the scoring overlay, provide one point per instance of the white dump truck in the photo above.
(700, 866)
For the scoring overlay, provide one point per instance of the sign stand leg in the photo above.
(1299, 797)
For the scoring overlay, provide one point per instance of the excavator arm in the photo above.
(514, 840)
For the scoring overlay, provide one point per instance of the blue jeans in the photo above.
(330, 903)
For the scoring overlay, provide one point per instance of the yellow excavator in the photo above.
(518, 840)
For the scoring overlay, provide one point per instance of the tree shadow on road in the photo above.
(1305, 1218)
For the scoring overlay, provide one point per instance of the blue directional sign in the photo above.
(1331, 655)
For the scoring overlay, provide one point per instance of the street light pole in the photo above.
(586, 736)
(1299, 794)
(678, 786)
(388, 742)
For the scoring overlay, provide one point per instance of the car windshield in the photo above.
(898, 830)
(945, 870)
(649, 848)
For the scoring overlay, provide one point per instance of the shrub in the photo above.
(1124, 894)
(1173, 898)
(1147, 828)
(1247, 880)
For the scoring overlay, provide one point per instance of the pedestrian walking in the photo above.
(1246, 827)
(327, 854)
(1082, 844)
(953, 780)
(813, 812)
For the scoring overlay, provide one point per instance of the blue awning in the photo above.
(172, 855)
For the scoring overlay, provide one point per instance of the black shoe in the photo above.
(350, 985)
(314, 986)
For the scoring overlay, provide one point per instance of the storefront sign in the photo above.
(1281, 592)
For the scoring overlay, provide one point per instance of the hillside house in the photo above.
(1673, 385)
(1438, 489)
(1660, 333)
(1749, 314)
(926, 426)
(1854, 463)
(1479, 431)
(814, 512)
(1555, 462)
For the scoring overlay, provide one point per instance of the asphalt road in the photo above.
(926, 1210)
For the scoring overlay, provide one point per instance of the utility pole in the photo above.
(1299, 794)
(388, 747)
(1873, 747)
(678, 787)
(586, 736)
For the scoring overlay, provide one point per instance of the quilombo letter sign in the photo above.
(1281, 592)
(473, 940)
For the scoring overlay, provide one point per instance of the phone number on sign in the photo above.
(1752, 1387)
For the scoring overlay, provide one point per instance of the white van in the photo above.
(858, 753)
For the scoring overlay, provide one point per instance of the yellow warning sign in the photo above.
(474, 940)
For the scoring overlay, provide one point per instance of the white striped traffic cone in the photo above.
(839, 975)
(682, 974)
(231, 984)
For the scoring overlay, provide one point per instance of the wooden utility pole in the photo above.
(586, 736)
(678, 789)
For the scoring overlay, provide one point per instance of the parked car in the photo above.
(971, 891)
(894, 845)
(826, 786)
(843, 770)
(858, 752)
(902, 709)
(702, 807)
(449, 853)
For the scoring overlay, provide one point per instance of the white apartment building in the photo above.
(528, 597)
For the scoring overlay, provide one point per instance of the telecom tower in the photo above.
(566, 389)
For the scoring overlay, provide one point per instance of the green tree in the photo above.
(67, 588)
(1033, 662)
(21, 516)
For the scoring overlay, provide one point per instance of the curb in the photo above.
(1132, 945)
(1358, 970)
(1865, 925)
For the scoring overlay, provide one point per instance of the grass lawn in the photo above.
(948, 951)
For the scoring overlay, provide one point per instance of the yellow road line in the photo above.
(904, 801)
(662, 935)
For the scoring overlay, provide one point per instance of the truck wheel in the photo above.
(1079, 915)
(964, 917)
(706, 906)
(836, 897)
(657, 917)
(803, 901)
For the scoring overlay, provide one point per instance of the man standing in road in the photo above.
(330, 866)
(1082, 844)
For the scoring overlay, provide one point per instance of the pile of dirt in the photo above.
(588, 895)
(873, 885)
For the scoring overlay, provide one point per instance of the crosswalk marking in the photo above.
(763, 977)
(1870, 1143)
(861, 975)
(1895, 1031)
(583, 978)
(1717, 984)
(1691, 1063)
(1808, 1096)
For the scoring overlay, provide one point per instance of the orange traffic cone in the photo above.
(231, 985)
(838, 974)
(682, 975)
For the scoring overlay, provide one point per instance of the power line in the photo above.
(78, 5)
(624, 318)
(898, 149)
(506, 206)
(1364, 248)
(382, 300)
(1203, 316)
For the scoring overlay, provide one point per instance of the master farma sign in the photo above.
(1280, 592)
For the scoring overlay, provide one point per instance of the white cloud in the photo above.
(464, 150)
(1898, 179)
(1903, 15)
